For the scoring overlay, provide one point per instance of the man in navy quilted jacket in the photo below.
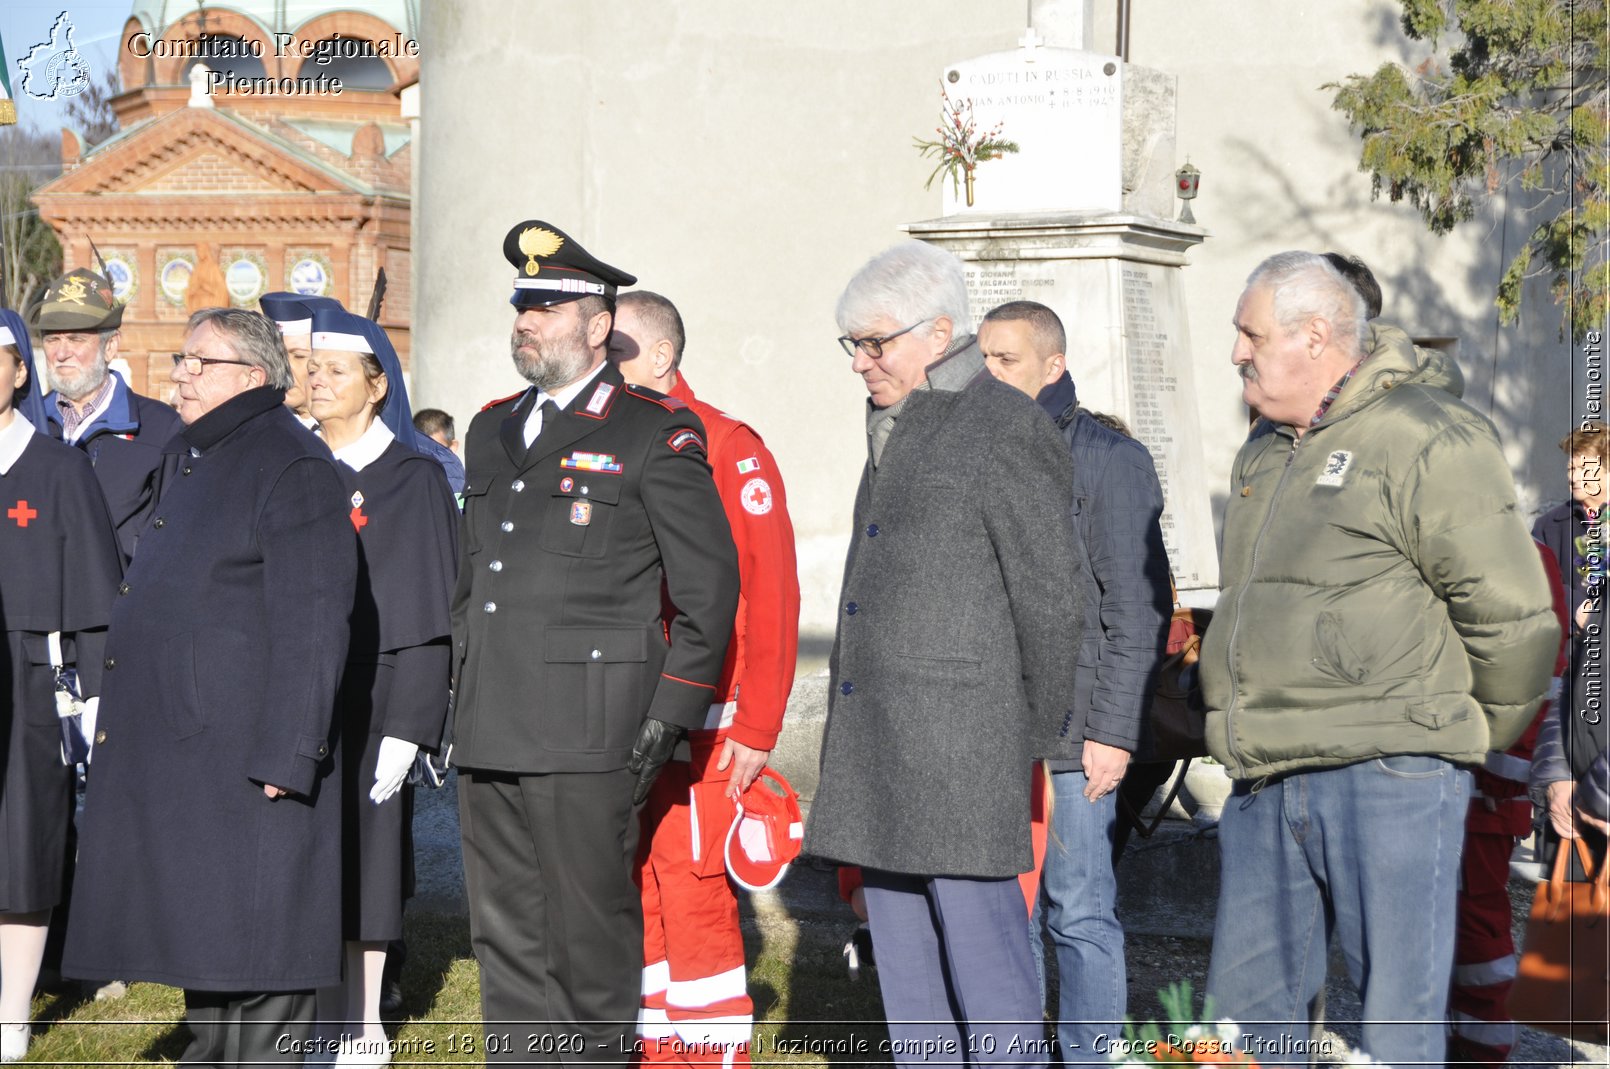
(1123, 571)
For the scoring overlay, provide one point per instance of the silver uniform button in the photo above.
(517, 485)
(490, 606)
(507, 525)
(596, 655)
(584, 491)
(496, 566)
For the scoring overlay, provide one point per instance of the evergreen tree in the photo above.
(29, 253)
(1519, 103)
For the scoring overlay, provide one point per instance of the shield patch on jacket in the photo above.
(1335, 470)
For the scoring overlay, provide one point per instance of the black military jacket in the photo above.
(559, 625)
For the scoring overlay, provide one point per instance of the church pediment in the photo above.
(197, 151)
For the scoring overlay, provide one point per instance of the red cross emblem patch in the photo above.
(756, 497)
(22, 513)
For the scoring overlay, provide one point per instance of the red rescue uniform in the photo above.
(696, 1006)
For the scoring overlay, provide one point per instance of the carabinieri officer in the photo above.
(584, 495)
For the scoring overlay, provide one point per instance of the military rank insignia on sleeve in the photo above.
(684, 438)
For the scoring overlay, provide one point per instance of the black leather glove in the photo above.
(656, 739)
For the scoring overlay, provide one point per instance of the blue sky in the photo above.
(97, 27)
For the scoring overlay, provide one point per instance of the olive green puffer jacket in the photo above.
(1380, 593)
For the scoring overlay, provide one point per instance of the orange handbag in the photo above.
(1563, 982)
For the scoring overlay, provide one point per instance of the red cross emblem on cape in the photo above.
(22, 513)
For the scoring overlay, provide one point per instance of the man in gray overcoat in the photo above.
(953, 665)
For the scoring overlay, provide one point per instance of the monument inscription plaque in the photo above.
(1129, 357)
(1063, 108)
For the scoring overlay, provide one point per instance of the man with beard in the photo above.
(585, 499)
(90, 407)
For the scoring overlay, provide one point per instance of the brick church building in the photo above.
(285, 161)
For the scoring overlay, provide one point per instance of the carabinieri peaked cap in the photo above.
(293, 312)
(79, 300)
(551, 268)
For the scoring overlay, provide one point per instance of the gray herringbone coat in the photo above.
(957, 639)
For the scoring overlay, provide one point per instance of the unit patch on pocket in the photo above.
(581, 513)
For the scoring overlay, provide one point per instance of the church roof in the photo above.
(280, 16)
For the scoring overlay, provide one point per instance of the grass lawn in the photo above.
(441, 1024)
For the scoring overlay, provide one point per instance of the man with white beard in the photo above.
(92, 408)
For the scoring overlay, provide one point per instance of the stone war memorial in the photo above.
(1078, 218)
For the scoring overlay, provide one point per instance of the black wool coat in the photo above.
(959, 626)
(557, 616)
(222, 662)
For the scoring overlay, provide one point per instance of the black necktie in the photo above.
(550, 415)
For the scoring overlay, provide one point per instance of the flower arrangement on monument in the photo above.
(960, 147)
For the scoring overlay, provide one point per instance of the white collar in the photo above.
(568, 394)
(307, 421)
(13, 440)
(533, 419)
(363, 452)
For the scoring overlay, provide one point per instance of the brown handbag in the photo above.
(1563, 982)
(1178, 719)
(1176, 728)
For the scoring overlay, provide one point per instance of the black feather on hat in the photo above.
(79, 300)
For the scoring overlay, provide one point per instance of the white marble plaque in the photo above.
(1063, 108)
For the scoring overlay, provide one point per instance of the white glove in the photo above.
(391, 767)
(86, 723)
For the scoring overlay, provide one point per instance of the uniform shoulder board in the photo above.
(670, 404)
(501, 401)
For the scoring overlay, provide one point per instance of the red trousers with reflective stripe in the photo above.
(1484, 954)
(692, 946)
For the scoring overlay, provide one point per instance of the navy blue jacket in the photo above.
(227, 642)
(1123, 577)
(125, 444)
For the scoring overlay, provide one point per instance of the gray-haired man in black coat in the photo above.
(953, 666)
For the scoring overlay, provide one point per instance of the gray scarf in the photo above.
(946, 374)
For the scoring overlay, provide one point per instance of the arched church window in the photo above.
(225, 54)
(351, 59)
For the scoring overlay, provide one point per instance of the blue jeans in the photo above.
(955, 972)
(1081, 892)
(1367, 853)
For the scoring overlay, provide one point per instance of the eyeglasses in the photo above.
(873, 347)
(195, 365)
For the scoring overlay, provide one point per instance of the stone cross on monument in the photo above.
(1080, 219)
